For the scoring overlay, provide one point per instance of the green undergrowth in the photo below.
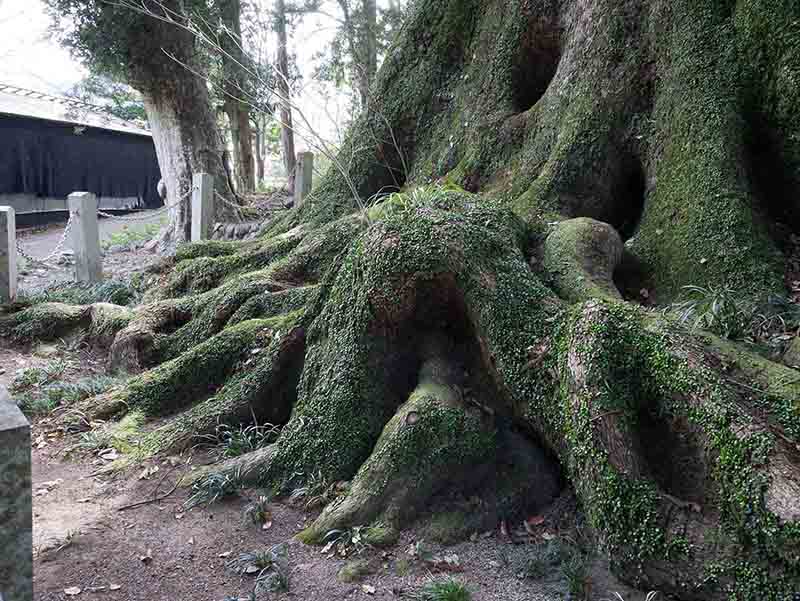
(109, 291)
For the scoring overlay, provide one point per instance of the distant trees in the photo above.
(364, 32)
(117, 98)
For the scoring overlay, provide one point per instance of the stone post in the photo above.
(8, 255)
(304, 177)
(16, 527)
(85, 237)
(202, 206)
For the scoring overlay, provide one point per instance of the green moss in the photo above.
(449, 527)
(355, 571)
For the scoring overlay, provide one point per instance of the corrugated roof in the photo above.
(36, 105)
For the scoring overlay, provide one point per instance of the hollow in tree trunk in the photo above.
(580, 152)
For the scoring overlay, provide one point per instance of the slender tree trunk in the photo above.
(370, 52)
(235, 89)
(284, 90)
(259, 151)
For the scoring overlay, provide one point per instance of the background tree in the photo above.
(236, 86)
(118, 98)
(442, 337)
(161, 61)
(363, 34)
(284, 91)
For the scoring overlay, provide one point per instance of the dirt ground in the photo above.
(86, 548)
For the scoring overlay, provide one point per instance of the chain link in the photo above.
(148, 216)
(56, 251)
(47, 261)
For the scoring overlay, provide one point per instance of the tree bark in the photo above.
(258, 145)
(235, 88)
(285, 93)
(370, 35)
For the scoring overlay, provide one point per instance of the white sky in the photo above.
(28, 59)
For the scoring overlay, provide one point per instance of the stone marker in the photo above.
(16, 527)
(202, 206)
(8, 255)
(85, 237)
(304, 177)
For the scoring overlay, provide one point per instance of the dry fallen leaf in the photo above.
(368, 588)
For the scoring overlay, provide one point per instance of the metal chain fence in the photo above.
(56, 251)
(59, 248)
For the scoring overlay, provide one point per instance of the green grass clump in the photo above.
(212, 488)
(270, 567)
(43, 396)
(72, 293)
(238, 440)
(448, 589)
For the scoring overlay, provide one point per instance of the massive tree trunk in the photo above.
(583, 148)
(187, 140)
(235, 88)
(285, 94)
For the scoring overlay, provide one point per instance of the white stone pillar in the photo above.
(85, 237)
(202, 206)
(8, 255)
(304, 177)
(16, 527)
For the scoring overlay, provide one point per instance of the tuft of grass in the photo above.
(238, 440)
(448, 589)
(270, 568)
(317, 491)
(45, 398)
(651, 596)
(122, 436)
(347, 541)
(212, 488)
(31, 377)
(718, 310)
(72, 293)
(555, 560)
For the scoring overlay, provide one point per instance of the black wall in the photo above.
(49, 159)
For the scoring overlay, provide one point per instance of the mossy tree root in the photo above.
(430, 344)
